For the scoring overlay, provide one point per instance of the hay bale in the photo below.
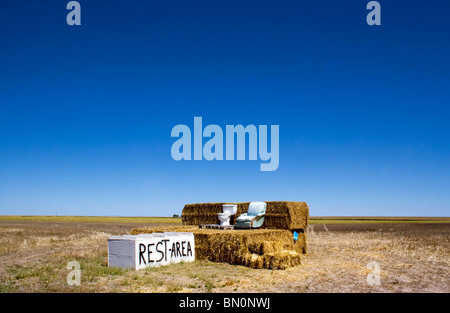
(256, 248)
(206, 213)
(279, 214)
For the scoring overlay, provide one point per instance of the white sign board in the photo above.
(144, 250)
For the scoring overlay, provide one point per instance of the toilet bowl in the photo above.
(227, 211)
(224, 219)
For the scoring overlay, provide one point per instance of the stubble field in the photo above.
(344, 255)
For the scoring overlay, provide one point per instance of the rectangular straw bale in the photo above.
(279, 214)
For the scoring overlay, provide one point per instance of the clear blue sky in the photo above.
(87, 111)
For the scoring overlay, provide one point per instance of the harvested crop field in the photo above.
(342, 256)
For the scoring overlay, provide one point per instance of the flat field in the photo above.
(345, 254)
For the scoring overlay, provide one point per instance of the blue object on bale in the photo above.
(254, 217)
(295, 236)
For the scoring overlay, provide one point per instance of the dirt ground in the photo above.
(351, 257)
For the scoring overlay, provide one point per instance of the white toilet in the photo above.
(227, 211)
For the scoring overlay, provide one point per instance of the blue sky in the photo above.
(87, 111)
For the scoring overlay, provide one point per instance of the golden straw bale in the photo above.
(279, 214)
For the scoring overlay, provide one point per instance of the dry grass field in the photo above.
(413, 256)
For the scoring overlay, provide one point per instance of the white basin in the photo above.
(224, 219)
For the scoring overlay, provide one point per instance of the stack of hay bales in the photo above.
(256, 248)
(261, 248)
(271, 247)
(279, 214)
